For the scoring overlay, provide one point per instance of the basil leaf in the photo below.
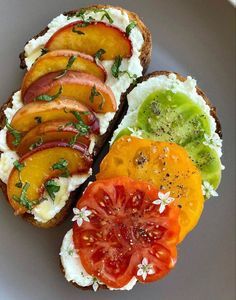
(38, 120)
(19, 184)
(36, 144)
(93, 93)
(81, 13)
(115, 69)
(131, 25)
(48, 98)
(23, 200)
(51, 187)
(19, 166)
(77, 31)
(73, 140)
(15, 133)
(99, 53)
(68, 66)
(105, 14)
(61, 164)
(80, 126)
(44, 51)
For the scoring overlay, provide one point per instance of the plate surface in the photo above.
(190, 37)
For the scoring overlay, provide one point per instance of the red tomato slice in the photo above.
(125, 229)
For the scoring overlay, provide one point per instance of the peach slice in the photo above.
(83, 87)
(25, 187)
(61, 109)
(90, 37)
(57, 61)
(48, 132)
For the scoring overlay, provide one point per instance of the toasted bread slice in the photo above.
(145, 57)
(213, 114)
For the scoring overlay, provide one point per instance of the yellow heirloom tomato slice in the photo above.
(167, 166)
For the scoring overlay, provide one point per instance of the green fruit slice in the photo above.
(173, 117)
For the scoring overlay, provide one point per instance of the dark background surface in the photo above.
(190, 37)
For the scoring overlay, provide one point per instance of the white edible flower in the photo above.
(208, 190)
(81, 215)
(214, 142)
(95, 284)
(163, 200)
(145, 269)
(135, 132)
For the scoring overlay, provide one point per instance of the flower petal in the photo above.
(140, 272)
(162, 208)
(157, 202)
(76, 211)
(79, 222)
(144, 261)
(144, 275)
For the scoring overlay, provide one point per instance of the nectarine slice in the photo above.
(25, 187)
(58, 61)
(61, 109)
(83, 87)
(49, 132)
(89, 38)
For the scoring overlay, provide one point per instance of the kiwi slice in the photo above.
(173, 117)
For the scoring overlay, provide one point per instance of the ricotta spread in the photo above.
(73, 268)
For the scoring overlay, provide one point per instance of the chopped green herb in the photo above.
(15, 133)
(36, 144)
(19, 166)
(131, 76)
(105, 14)
(131, 25)
(115, 69)
(62, 165)
(81, 13)
(44, 51)
(19, 184)
(51, 187)
(100, 107)
(93, 93)
(99, 53)
(81, 127)
(73, 140)
(77, 31)
(23, 200)
(38, 120)
(68, 66)
(45, 97)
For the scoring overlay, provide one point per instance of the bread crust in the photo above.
(145, 57)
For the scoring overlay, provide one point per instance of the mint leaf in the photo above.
(19, 166)
(36, 144)
(62, 165)
(15, 133)
(48, 98)
(51, 187)
(131, 25)
(115, 69)
(23, 200)
(99, 53)
(68, 66)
